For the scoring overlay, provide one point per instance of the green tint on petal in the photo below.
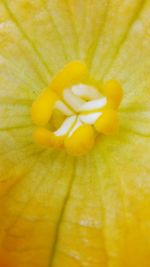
(56, 210)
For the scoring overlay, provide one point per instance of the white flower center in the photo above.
(81, 104)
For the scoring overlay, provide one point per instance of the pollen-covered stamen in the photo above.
(75, 110)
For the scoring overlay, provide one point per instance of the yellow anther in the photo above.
(112, 89)
(81, 141)
(72, 73)
(47, 138)
(107, 123)
(42, 107)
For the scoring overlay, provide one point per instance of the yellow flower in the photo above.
(59, 210)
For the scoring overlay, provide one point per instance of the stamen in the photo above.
(90, 118)
(72, 100)
(86, 91)
(66, 126)
(63, 108)
(93, 105)
(75, 127)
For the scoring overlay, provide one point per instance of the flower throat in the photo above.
(74, 109)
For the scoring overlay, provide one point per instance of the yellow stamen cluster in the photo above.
(85, 111)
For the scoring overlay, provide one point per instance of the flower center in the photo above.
(71, 112)
(81, 104)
